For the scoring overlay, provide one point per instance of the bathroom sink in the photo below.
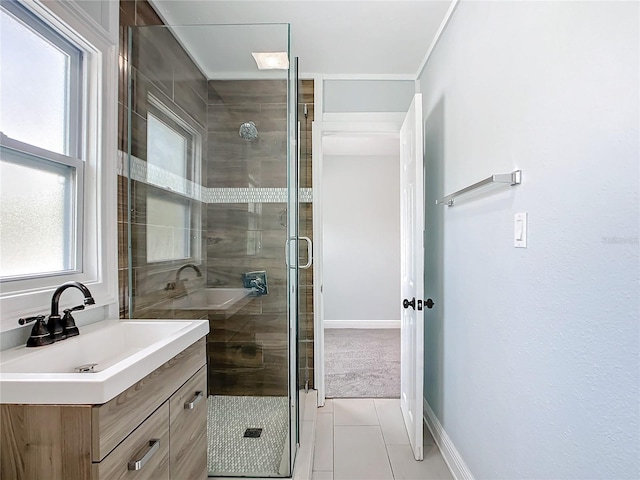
(211, 299)
(123, 351)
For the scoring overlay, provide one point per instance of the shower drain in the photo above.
(252, 433)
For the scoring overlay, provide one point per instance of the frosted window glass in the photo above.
(34, 87)
(35, 218)
(166, 148)
(167, 229)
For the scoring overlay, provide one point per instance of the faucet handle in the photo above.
(73, 309)
(24, 321)
(40, 334)
(68, 323)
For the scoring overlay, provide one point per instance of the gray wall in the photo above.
(532, 361)
(342, 96)
(361, 232)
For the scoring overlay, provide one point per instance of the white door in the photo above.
(411, 232)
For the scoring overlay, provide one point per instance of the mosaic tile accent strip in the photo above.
(142, 171)
(120, 164)
(246, 195)
(253, 195)
(305, 195)
(229, 452)
(138, 170)
(153, 175)
(172, 182)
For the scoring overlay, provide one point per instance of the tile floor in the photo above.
(365, 439)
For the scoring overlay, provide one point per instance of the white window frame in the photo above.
(71, 156)
(13, 147)
(159, 110)
(193, 168)
(73, 140)
(98, 124)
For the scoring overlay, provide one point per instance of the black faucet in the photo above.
(57, 328)
(188, 265)
(173, 285)
(62, 328)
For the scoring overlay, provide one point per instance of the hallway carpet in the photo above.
(362, 363)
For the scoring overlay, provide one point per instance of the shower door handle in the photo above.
(286, 252)
(309, 253)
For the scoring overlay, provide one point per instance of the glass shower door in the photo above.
(210, 201)
(292, 249)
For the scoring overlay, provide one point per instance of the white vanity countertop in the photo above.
(124, 351)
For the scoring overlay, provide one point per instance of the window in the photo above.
(167, 148)
(37, 219)
(41, 172)
(58, 124)
(168, 228)
(173, 160)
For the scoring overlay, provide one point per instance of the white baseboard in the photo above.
(450, 453)
(361, 323)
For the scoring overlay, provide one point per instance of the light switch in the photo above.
(520, 230)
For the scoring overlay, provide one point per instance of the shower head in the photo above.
(248, 131)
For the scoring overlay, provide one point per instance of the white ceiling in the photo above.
(376, 37)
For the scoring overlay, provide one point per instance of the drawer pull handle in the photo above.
(154, 446)
(192, 404)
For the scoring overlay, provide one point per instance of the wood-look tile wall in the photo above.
(157, 65)
(305, 333)
(248, 351)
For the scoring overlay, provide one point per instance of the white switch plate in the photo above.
(520, 230)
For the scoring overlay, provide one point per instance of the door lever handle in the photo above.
(406, 303)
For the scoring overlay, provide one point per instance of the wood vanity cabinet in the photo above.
(158, 425)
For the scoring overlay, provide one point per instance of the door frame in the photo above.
(346, 124)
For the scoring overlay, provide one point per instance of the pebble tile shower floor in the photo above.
(229, 452)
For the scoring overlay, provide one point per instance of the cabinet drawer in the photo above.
(113, 421)
(188, 412)
(148, 445)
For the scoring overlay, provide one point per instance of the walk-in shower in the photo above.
(211, 167)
